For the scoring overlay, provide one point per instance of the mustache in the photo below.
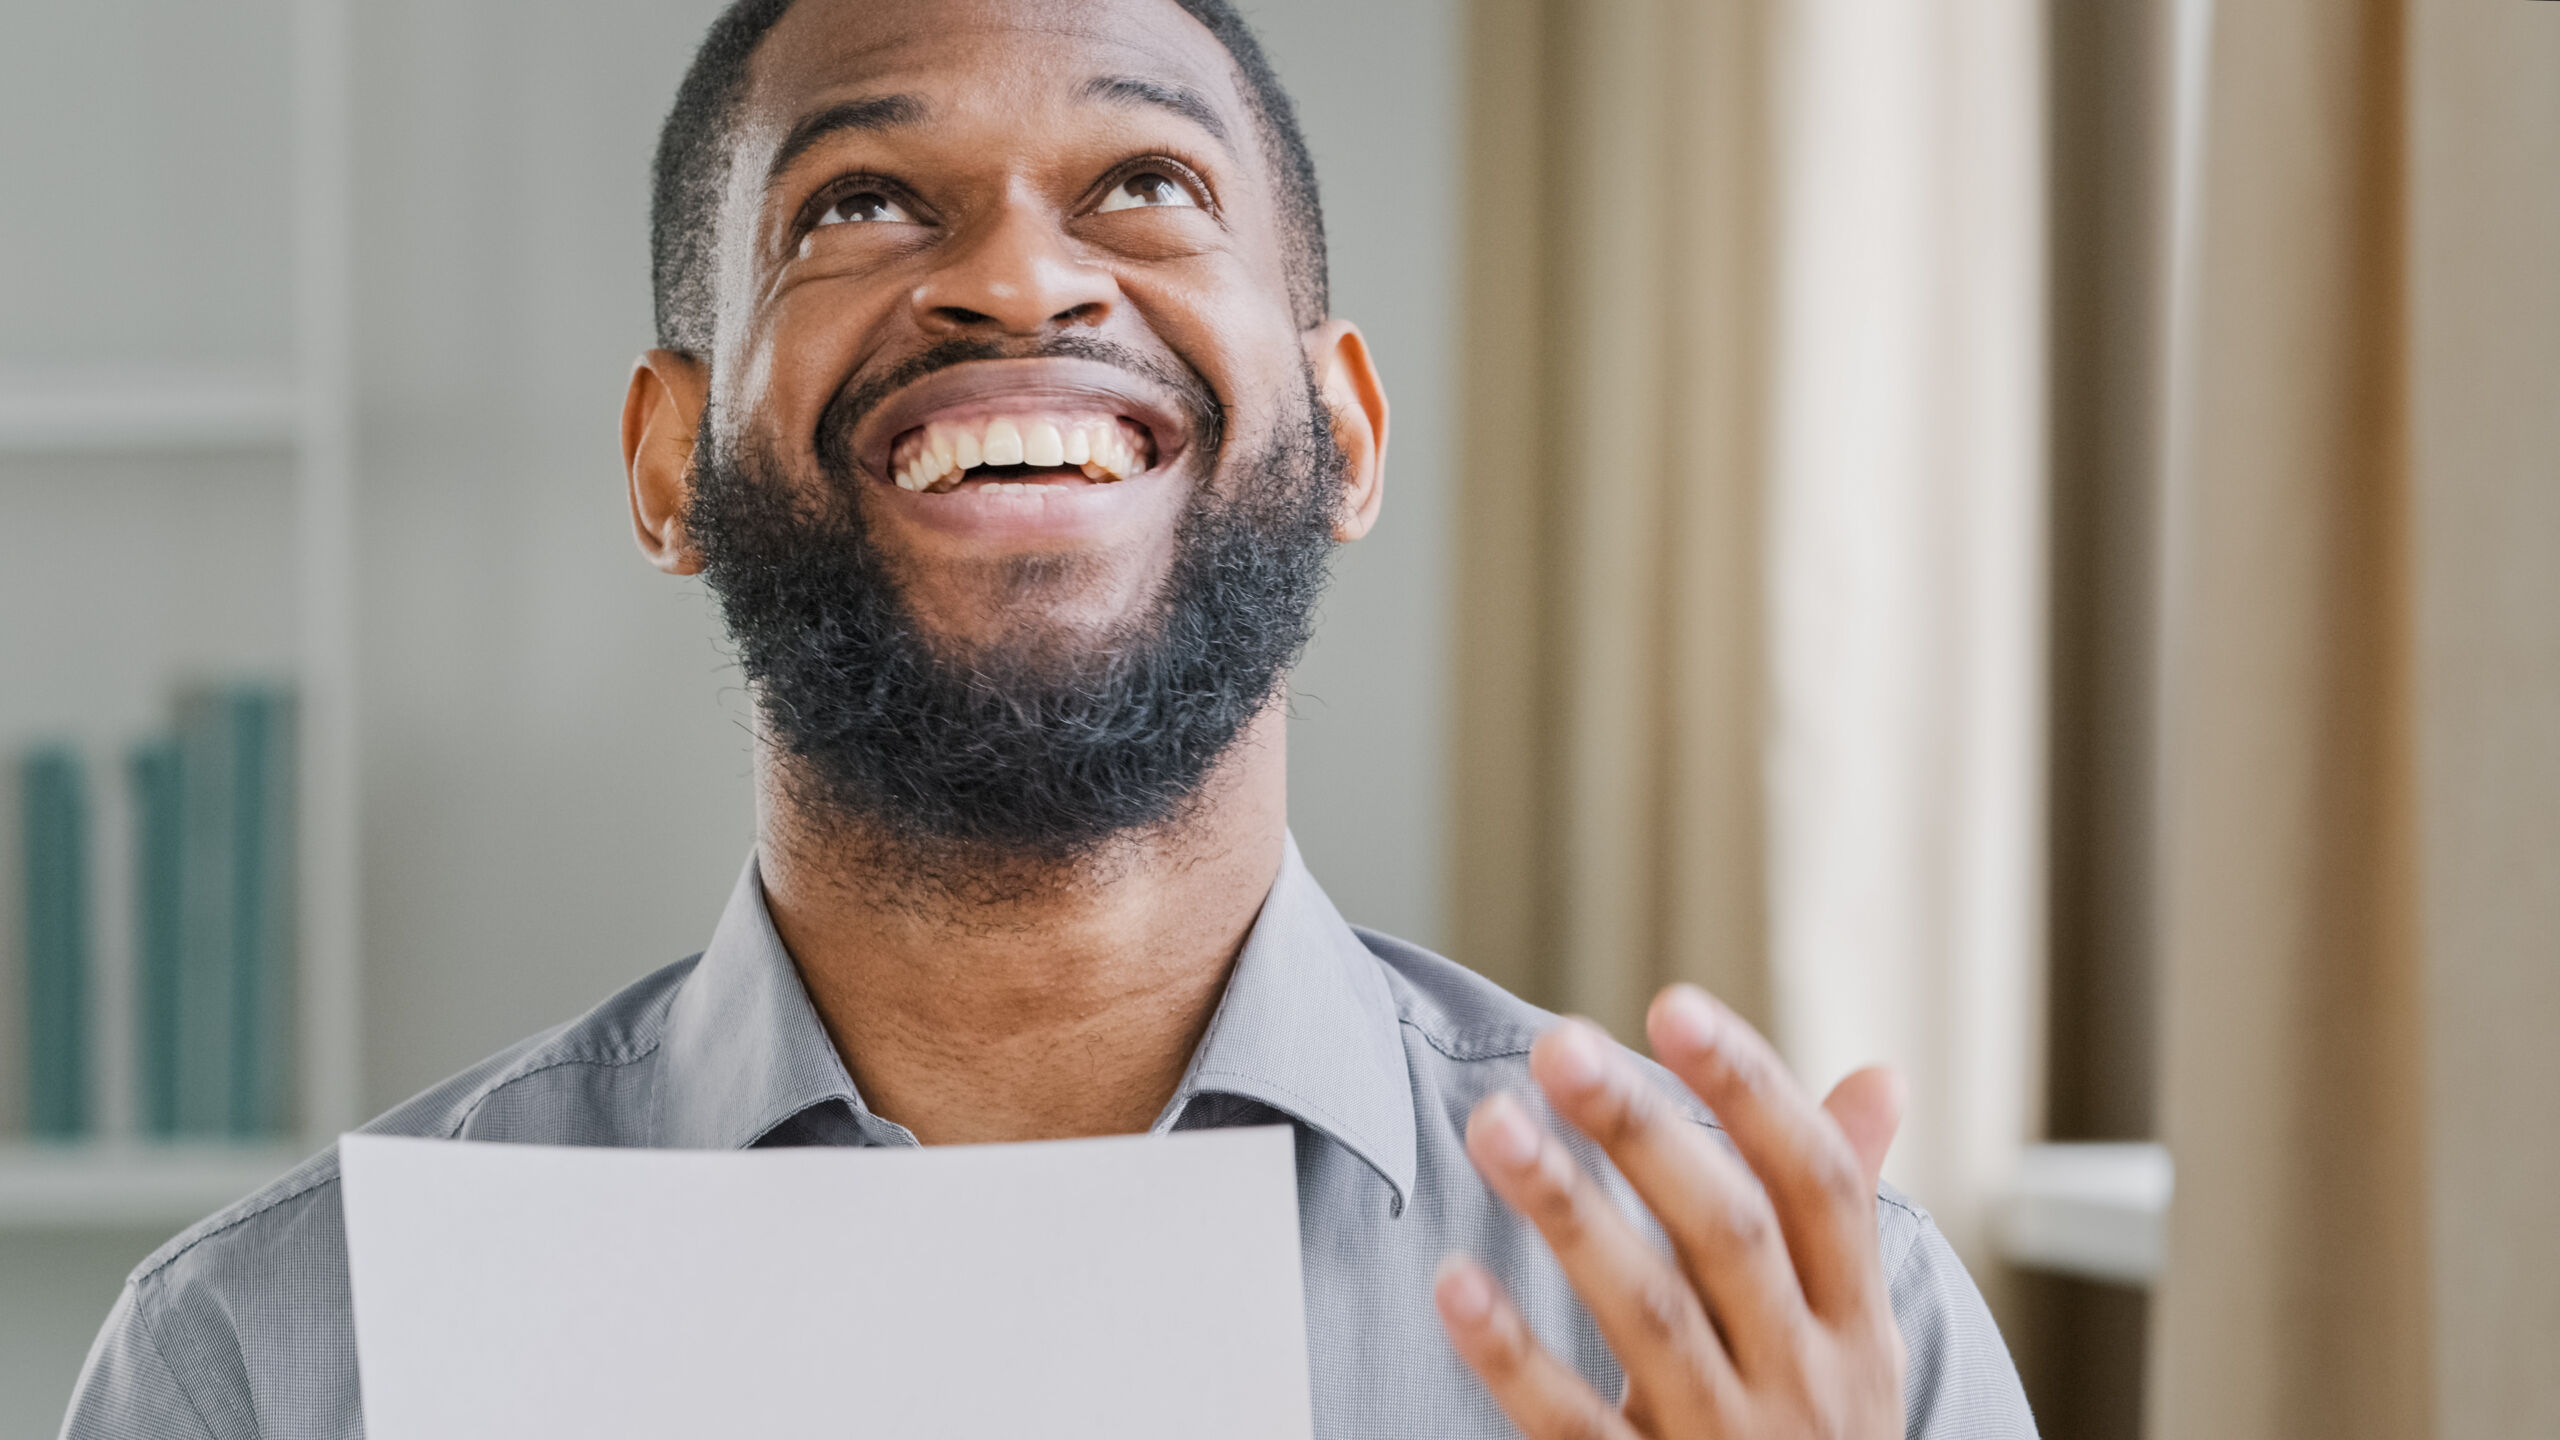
(1203, 412)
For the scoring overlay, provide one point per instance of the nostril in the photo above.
(962, 315)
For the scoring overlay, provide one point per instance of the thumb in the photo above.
(1867, 1106)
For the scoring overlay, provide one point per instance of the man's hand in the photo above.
(1770, 1319)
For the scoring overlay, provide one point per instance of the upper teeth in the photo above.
(936, 457)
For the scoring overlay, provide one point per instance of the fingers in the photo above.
(1825, 1200)
(1541, 1394)
(1867, 1106)
(1721, 1226)
(1645, 1308)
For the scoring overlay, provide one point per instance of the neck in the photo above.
(1026, 1002)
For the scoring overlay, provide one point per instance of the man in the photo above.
(999, 405)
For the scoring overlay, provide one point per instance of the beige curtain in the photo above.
(2484, 368)
(1607, 832)
(2361, 817)
(1750, 619)
(2291, 1083)
(1751, 537)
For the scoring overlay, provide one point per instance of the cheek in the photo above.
(806, 344)
(1217, 308)
(1239, 334)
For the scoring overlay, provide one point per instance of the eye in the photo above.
(865, 207)
(1148, 189)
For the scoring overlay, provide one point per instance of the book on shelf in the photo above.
(152, 773)
(214, 915)
(54, 839)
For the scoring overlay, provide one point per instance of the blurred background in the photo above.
(2018, 537)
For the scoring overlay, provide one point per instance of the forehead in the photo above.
(825, 51)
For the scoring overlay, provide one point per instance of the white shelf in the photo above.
(2099, 1211)
(130, 1186)
(107, 413)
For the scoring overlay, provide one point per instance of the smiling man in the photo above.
(999, 404)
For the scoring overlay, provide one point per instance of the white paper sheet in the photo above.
(1131, 1288)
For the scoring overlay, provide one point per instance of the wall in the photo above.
(1377, 86)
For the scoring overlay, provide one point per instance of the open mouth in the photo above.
(1005, 451)
(1033, 425)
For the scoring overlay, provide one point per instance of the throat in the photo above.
(1016, 999)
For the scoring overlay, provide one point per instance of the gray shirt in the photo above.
(1373, 1050)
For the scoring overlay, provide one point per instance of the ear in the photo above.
(1348, 381)
(660, 413)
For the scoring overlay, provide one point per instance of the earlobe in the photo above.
(660, 413)
(1348, 381)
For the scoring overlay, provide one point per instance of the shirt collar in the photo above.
(1307, 1026)
(744, 1048)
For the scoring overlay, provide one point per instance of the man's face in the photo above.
(925, 180)
(1014, 474)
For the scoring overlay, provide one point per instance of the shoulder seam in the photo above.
(490, 1091)
(329, 1172)
(328, 1176)
(615, 1059)
(1514, 1042)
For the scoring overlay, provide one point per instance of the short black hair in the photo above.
(692, 169)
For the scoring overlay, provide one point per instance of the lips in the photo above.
(1031, 423)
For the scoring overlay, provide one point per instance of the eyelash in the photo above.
(1180, 173)
(847, 186)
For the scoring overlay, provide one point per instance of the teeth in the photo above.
(939, 459)
(1003, 445)
(1041, 445)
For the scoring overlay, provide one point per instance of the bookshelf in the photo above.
(95, 443)
(169, 412)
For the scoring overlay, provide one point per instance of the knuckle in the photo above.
(1838, 1180)
(1556, 1201)
(1622, 1111)
(1665, 1310)
(1503, 1355)
(1745, 1072)
(1585, 1421)
(1746, 1227)
(1561, 1215)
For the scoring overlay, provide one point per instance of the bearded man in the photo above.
(999, 404)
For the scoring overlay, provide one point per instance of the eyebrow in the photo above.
(1188, 103)
(879, 112)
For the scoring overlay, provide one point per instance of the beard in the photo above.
(1032, 749)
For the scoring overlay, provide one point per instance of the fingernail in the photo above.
(1690, 1016)
(1573, 1057)
(1465, 1293)
(1510, 1137)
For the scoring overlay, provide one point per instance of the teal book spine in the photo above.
(152, 772)
(208, 982)
(55, 818)
(263, 910)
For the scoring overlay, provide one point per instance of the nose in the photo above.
(1017, 276)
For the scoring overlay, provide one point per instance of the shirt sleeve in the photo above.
(127, 1388)
(1960, 1383)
